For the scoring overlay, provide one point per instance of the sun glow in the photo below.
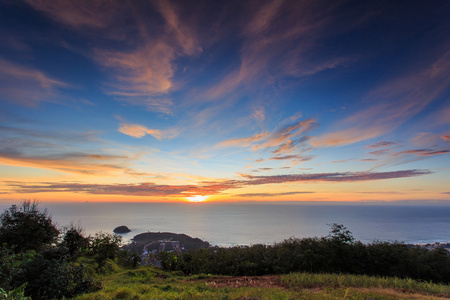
(197, 198)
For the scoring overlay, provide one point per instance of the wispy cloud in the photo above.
(368, 159)
(184, 34)
(27, 85)
(242, 142)
(423, 152)
(143, 76)
(380, 152)
(396, 102)
(261, 170)
(142, 71)
(284, 141)
(278, 35)
(60, 151)
(381, 144)
(294, 158)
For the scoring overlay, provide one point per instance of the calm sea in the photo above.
(251, 223)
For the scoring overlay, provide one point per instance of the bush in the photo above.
(48, 277)
(25, 227)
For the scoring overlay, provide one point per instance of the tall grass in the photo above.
(307, 280)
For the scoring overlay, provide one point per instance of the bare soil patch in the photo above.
(269, 281)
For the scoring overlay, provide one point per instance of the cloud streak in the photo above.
(206, 187)
(272, 194)
(59, 151)
(423, 152)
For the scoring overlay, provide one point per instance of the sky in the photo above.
(196, 101)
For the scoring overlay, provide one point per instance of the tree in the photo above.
(105, 246)
(74, 241)
(339, 233)
(26, 227)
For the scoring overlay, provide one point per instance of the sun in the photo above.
(197, 198)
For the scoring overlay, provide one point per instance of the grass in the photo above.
(307, 280)
(153, 283)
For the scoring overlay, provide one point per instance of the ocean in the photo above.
(230, 224)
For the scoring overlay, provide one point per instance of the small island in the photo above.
(122, 229)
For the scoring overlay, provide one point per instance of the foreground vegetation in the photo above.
(153, 283)
(41, 261)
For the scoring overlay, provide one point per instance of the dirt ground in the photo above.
(240, 281)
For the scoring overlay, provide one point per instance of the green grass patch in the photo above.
(307, 280)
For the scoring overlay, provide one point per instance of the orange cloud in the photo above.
(183, 33)
(143, 75)
(280, 138)
(242, 142)
(446, 137)
(26, 85)
(346, 137)
(139, 131)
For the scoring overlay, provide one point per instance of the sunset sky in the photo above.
(224, 100)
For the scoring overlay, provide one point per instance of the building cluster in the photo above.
(151, 249)
(436, 245)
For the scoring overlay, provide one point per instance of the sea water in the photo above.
(229, 224)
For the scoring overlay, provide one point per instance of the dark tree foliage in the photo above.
(32, 258)
(74, 241)
(49, 277)
(7, 266)
(336, 253)
(26, 227)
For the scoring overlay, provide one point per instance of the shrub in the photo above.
(26, 227)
